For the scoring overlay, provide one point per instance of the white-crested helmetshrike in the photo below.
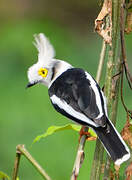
(75, 94)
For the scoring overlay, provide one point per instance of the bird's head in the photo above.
(42, 71)
(38, 73)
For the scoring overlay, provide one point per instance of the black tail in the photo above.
(113, 143)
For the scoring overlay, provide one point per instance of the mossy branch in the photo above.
(111, 90)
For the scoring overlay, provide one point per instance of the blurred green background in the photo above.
(24, 114)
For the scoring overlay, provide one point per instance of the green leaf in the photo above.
(53, 129)
(3, 176)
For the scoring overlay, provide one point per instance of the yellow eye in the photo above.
(43, 72)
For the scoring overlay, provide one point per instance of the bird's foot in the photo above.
(87, 134)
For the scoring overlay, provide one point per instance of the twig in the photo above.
(101, 62)
(79, 156)
(22, 150)
(16, 165)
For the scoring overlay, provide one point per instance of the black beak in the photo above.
(31, 84)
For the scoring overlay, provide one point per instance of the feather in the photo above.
(113, 143)
(45, 49)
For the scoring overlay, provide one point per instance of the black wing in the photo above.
(75, 89)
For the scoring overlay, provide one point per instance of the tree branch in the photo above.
(21, 150)
(112, 88)
(101, 62)
(16, 165)
(79, 156)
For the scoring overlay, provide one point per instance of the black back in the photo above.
(73, 87)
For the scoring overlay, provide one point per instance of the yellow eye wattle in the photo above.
(43, 72)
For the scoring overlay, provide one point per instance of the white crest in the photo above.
(45, 49)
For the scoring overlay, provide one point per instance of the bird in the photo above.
(74, 93)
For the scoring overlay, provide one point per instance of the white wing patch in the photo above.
(45, 49)
(97, 95)
(105, 104)
(68, 109)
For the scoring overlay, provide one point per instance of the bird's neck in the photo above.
(59, 68)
